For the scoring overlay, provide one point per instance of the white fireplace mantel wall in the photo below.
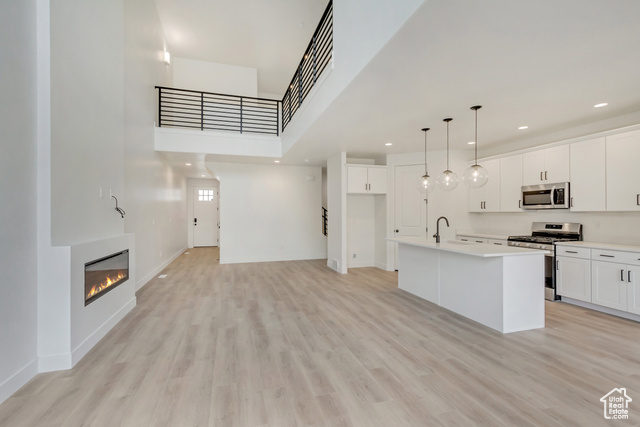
(68, 329)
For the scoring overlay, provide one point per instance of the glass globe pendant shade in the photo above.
(426, 183)
(475, 176)
(447, 181)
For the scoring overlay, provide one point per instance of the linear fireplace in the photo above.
(105, 274)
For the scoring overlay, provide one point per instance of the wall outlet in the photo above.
(354, 255)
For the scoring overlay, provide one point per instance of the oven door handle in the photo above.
(553, 196)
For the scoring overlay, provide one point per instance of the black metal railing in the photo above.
(315, 59)
(190, 109)
(325, 220)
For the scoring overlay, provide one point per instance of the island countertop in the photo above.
(468, 248)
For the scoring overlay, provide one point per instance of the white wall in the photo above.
(87, 119)
(337, 212)
(360, 29)
(213, 77)
(155, 195)
(18, 117)
(608, 227)
(269, 213)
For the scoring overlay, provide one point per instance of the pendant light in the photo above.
(426, 182)
(475, 176)
(447, 180)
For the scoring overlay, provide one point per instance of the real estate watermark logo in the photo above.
(616, 404)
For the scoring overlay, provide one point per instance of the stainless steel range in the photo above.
(544, 235)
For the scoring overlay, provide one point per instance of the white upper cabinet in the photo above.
(377, 180)
(588, 175)
(623, 171)
(367, 179)
(546, 166)
(487, 197)
(511, 183)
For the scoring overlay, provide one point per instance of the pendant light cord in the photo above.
(448, 144)
(475, 142)
(476, 138)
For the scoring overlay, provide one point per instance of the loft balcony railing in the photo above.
(189, 109)
(318, 54)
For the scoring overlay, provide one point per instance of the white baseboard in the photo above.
(360, 264)
(17, 380)
(243, 260)
(54, 362)
(147, 278)
(382, 266)
(602, 309)
(93, 339)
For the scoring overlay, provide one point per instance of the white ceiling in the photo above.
(542, 63)
(269, 35)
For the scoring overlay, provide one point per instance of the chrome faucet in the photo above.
(437, 235)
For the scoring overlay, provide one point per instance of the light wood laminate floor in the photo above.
(294, 343)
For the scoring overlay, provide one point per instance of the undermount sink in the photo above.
(459, 242)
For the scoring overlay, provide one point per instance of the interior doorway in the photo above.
(206, 223)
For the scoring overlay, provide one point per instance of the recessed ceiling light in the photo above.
(388, 143)
(203, 175)
(602, 104)
(306, 160)
(523, 127)
(187, 164)
(471, 142)
(276, 161)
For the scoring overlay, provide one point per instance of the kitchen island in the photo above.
(501, 287)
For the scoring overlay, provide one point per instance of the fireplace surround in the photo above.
(105, 274)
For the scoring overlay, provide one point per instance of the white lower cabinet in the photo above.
(573, 278)
(609, 284)
(633, 290)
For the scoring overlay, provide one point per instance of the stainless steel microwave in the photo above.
(546, 196)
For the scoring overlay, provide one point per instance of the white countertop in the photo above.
(596, 245)
(481, 235)
(468, 248)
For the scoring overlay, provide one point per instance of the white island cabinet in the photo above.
(501, 287)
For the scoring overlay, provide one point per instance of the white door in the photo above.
(533, 168)
(556, 164)
(511, 183)
(410, 208)
(623, 173)
(377, 179)
(609, 284)
(573, 278)
(633, 290)
(356, 179)
(588, 175)
(205, 216)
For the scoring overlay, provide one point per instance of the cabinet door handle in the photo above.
(558, 265)
(608, 256)
(540, 175)
(519, 204)
(572, 202)
(622, 275)
(638, 199)
(629, 276)
(545, 175)
(479, 241)
(571, 252)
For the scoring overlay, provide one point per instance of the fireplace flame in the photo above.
(104, 285)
